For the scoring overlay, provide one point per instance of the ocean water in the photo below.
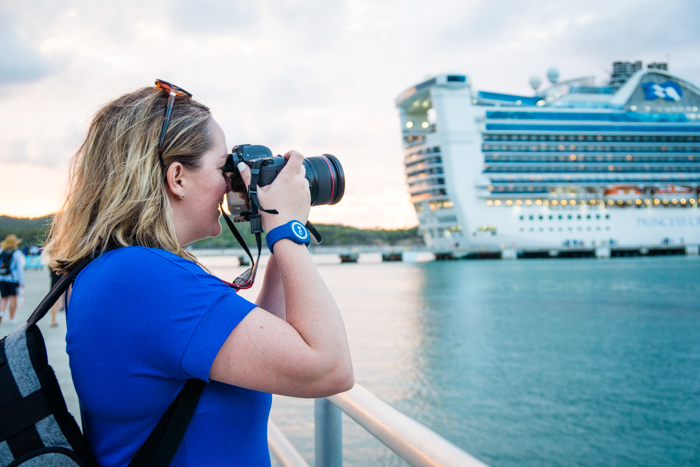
(529, 362)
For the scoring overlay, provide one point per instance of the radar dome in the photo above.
(553, 75)
(535, 82)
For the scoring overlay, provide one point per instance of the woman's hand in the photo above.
(288, 194)
(306, 352)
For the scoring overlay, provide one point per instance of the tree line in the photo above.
(33, 232)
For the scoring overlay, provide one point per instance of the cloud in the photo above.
(313, 75)
(212, 17)
(20, 60)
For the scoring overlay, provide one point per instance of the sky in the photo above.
(315, 76)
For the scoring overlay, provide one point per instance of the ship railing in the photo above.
(416, 169)
(412, 441)
(423, 177)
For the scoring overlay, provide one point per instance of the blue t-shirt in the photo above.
(142, 321)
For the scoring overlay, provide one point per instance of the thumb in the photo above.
(244, 171)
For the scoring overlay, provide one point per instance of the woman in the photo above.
(145, 318)
(11, 275)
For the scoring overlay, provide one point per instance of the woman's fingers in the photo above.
(295, 161)
(245, 174)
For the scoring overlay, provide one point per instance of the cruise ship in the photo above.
(573, 165)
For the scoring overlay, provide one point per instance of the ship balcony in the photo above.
(548, 167)
(427, 184)
(425, 167)
(641, 149)
(410, 141)
(570, 158)
(429, 195)
(599, 181)
(423, 155)
(411, 180)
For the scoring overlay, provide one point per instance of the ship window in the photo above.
(541, 217)
(531, 217)
(550, 218)
(569, 216)
(578, 217)
(588, 216)
(607, 216)
(560, 217)
(522, 217)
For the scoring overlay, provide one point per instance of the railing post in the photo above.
(329, 434)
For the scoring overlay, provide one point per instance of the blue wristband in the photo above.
(293, 230)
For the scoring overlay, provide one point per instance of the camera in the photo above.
(324, 173)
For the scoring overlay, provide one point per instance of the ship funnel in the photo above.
(535, 82)
(553, 75)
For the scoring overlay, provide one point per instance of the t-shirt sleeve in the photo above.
(211, 333)
(163, 314)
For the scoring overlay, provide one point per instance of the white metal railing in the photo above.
(282, 449)
(412, 441)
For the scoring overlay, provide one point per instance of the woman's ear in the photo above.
(175, 179)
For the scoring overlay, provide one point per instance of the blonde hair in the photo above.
(117, 188)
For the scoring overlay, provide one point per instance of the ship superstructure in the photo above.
(576, 164)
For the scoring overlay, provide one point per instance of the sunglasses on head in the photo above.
(245, 280)
(173, 91)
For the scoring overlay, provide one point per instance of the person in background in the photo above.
(144, 318)
(11, 275)
(58, 306)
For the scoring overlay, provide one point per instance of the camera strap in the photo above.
(256, 207)
(245, 280)
(253, 190)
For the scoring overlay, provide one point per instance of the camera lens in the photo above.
(326, 179)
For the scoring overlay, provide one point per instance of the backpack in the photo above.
(6, 261)
(36, 428)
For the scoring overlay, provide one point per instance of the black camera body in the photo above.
(324, 173)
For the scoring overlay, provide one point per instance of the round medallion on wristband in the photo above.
(293, 230)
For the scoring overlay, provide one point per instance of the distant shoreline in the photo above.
(33, 232)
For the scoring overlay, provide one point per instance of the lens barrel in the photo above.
(326, 179)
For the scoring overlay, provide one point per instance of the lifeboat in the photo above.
(671, 192)
(622, 193)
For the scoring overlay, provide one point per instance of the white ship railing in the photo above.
(412, 441)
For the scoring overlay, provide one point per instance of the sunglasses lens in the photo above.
(245, 280)
(165, 86)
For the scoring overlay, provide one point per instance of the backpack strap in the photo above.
(161, 445)
(62, 285)
(56, 292)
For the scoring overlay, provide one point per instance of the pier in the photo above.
(412, 441)
(376, 254)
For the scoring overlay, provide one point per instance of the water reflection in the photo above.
(542, 362)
